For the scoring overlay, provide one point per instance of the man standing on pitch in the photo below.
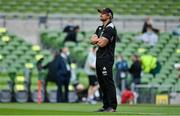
(105, 39)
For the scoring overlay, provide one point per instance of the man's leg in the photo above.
(45, 91)
(93, 87)
(66, 91)
(109, 87)
(59, 91)
(101, 84)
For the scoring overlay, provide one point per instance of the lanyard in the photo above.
(103, 28)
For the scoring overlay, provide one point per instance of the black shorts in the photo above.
(93, 80)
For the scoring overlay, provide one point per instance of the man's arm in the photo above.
(106, 37)
(94, 39)
(102, 42)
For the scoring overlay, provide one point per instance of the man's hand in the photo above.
(94, 39)
(102, 42)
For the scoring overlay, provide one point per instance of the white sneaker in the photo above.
(92, 102)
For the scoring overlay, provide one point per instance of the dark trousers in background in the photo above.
(105, 79)
(62, 96)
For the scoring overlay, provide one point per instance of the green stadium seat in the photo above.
(177, 86)
(70, 45)
(170, 81)
(82, 78)
(9, 48)
(145, 79)
(156, 81)
(18, 53)
(140, 7)
(4, 52)
(164, 89)
(52, 92)
(5, 87)
(21, 90)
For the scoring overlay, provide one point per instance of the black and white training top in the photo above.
(109, 32)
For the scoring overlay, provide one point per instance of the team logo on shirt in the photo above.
(104, 68)
(104, 72)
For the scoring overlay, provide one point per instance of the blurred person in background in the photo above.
(127, 96)
(177, 67)
(53, 68)
(121, 72)
(176, 31)
(135, 69)
(70, 25)
(64, 75)
(149, 37)
(72, 34)
(147, 22)
(90, 69)
(59, 72)
(150, 64)
(78, 87)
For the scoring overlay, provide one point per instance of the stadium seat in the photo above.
(145, 79)
(164, 89)
(5, 87)
(52, 92)
(21, 88)
(156, 81)
(82, 78)
(139, 7)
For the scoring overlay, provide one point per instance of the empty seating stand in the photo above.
(122, 7)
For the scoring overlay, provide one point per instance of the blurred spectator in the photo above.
(150, 64)
(177, 66)
(121, 72)
(90, 68)
(135, 69)
(64, 75)
(59, 72)
(43, 20)
(71, 33)
(127, 96)
(74, 79)
(69, 28)
(147, 22)
(52, 67)
(149, 36)
(176, 31)
(78, 87)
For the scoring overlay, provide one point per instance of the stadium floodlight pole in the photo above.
(39, 91)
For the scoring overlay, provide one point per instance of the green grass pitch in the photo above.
(33, 109)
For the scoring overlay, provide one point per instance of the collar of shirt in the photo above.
(63, 55)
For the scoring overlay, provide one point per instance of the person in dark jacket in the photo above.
(59, 72)
(52, 68)
(64, 75)
(135, 69)
(72, 35)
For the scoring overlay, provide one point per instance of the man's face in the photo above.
(66, 51)
(133, 58)
(104, 16)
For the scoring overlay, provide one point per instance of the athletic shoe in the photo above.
(100, 110)
(109, 110)
(91, 101)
